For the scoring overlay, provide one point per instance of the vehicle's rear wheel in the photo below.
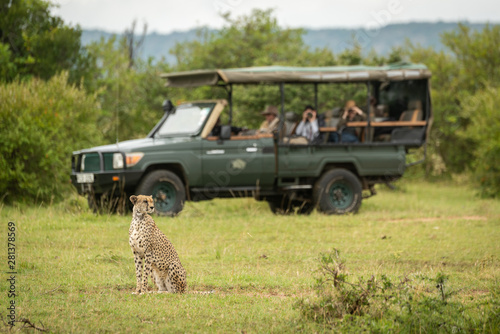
(338, 191)
(284, 205)
(167, 190)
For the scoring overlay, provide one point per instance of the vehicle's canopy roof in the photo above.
(287, 74)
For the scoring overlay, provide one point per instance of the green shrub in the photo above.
(484, 129)
(413, 304)
(41, 123)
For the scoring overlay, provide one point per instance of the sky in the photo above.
(165, 16)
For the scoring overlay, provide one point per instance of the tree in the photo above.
(134, 44)
(484, 130)
(471, 72)
(40, 45)
(41, 123)
(130, 97)
(253, 40)
(477, 54)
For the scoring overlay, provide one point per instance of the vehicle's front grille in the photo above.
(108, 161)
(90, 162)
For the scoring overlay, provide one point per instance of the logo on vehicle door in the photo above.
(238, 164)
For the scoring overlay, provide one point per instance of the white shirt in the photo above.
(308, 129)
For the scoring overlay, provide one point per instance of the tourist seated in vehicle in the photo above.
(272, 120)
(308, 127)
(345, 134)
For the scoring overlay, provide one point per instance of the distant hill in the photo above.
(384, 39)
(336, 39)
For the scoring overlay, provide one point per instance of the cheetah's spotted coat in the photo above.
(153, 248)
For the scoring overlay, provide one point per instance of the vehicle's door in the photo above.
(243, 161)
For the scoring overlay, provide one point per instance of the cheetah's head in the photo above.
(142, 203)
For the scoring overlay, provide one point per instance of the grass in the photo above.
(76, 272)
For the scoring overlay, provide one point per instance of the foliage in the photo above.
(7, 68)
(476, 54)
(483, 129)
(253, 40)
(340, 297)
(379, 304)
(41, 123)
(130, 97)
(40, 44)
(469, 68)
(464, 85)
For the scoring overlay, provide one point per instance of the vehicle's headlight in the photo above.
(133, 158)
(117, 161)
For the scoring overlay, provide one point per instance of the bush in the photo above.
(484, 129)
(41, 123)
(416, 304)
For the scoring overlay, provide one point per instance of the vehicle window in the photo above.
(186, 119)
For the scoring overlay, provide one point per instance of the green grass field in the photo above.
(75, 270)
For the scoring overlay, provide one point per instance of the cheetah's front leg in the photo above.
(138, 272)
(147, 271)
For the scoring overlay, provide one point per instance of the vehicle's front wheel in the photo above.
(338, 191)
(167, 190)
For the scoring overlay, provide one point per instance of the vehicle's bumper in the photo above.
(108, 182)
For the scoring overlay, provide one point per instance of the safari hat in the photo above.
(349, 104)
(270, 110)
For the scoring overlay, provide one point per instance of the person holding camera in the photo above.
(308, 127)
(351, 114)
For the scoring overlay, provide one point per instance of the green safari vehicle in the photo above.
(184, 159)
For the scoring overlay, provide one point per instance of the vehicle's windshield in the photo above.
(186, 119)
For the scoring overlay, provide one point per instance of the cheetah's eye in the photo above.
(145, 201)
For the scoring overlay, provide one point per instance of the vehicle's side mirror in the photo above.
(167, 106)
(225, 132)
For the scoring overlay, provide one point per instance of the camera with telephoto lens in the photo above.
(309, 115)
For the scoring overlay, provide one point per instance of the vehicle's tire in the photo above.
(338, 191)
(283, 205)
(167, 190)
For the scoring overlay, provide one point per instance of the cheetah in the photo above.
(153, 248)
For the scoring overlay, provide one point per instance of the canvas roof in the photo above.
(288, 74)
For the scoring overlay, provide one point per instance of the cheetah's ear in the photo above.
(133, 199)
